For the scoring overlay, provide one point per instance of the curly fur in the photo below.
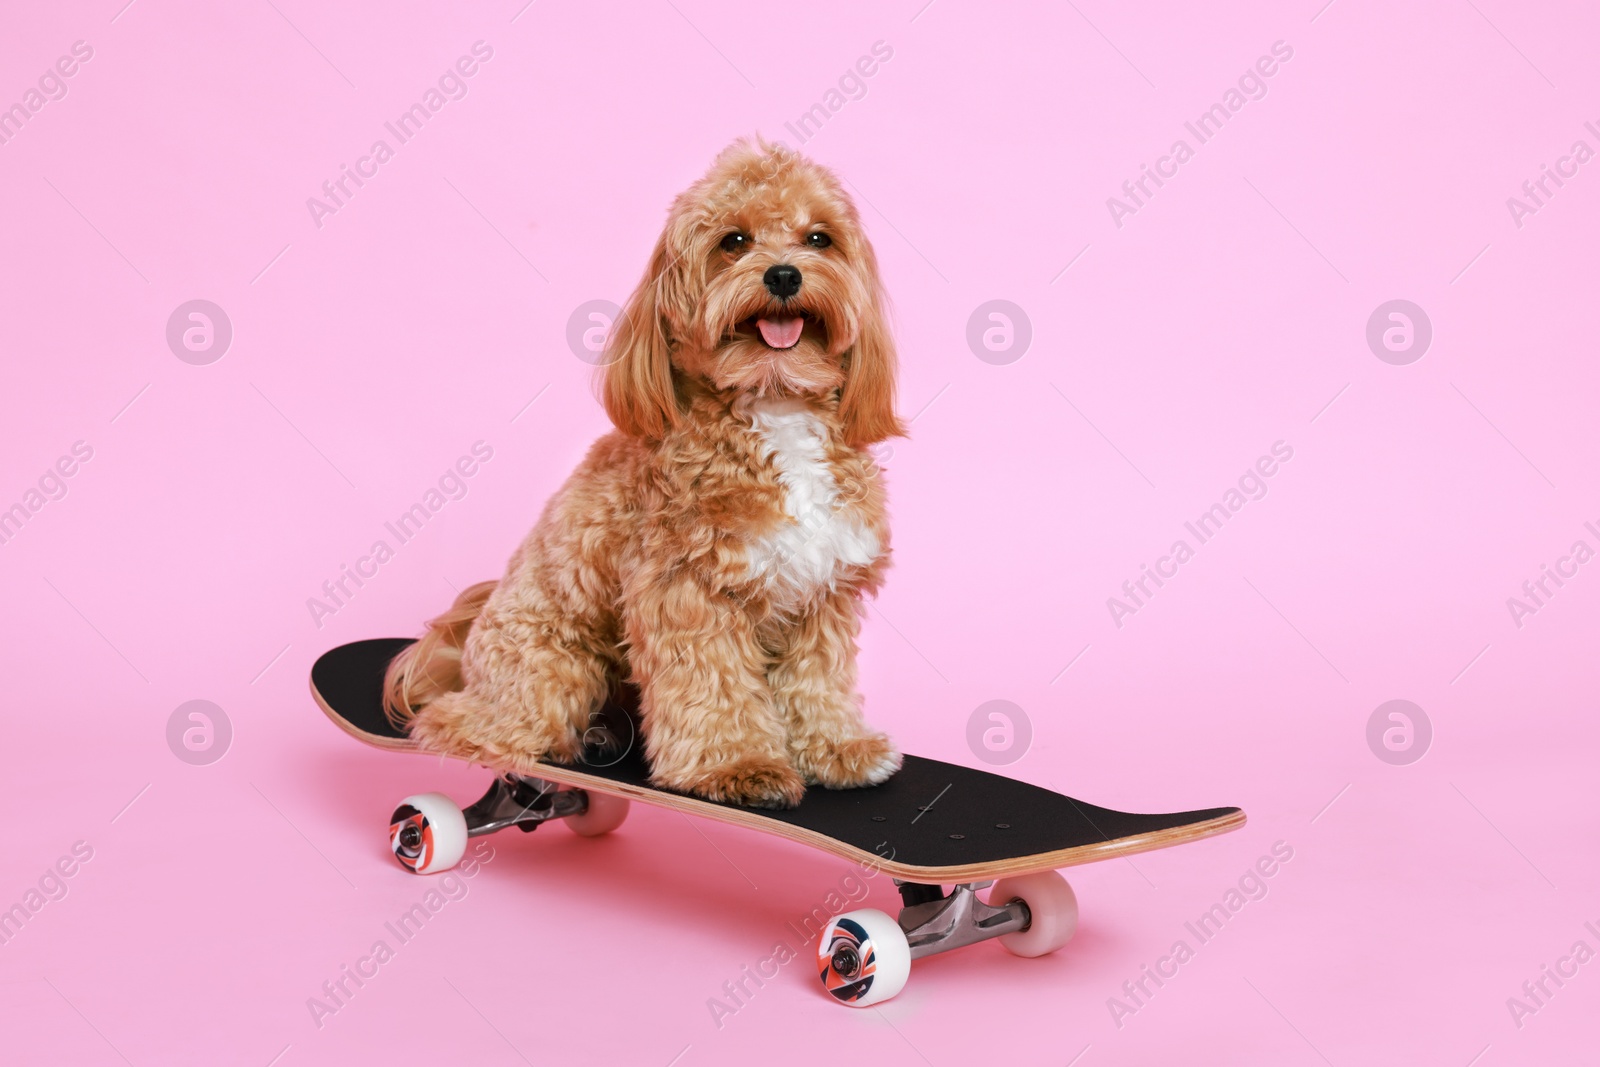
(713, 549)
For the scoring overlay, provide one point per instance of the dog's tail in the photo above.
(431, 667)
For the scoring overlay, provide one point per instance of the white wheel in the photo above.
(604, 815)
(1052, 905)
(428, 833)
(864, 958)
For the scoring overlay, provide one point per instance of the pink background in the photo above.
(1227, 314)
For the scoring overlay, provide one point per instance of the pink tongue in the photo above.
(781, 333)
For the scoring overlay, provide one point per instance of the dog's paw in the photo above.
(852, 763)
(463, 728)
(757, 782)
(444, 728)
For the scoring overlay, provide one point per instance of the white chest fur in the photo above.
(804, 555)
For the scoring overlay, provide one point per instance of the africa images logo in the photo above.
(1252, 485)
(1252, 85)
(452, 85)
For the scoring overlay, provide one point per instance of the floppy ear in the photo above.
(866, 405)
(638, 390)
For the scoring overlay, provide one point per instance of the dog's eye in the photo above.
(819, 240)
(735, 242)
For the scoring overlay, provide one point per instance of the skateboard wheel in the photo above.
(863, 957)
(428, 833)
(605, 813)
(1052, 905)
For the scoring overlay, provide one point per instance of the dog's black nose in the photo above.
(782, 280)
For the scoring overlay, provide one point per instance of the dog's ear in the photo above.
(638, 390)
(866, 404)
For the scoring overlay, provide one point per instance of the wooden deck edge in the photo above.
(393, 744)
(972, 872)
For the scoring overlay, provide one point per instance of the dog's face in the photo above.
(762, 283)
(787, 279)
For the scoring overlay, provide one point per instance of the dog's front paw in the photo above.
(851, 763)
(756, 781)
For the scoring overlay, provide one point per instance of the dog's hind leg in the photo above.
(534, 671)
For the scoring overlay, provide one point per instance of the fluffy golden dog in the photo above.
(713, 548)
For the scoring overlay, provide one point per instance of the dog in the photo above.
(713, 549)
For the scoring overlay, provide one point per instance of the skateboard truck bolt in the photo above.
(846, 961)
(936, 922)
(523, 802)
(411, 836)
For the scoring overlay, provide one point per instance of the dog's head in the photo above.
(764, 284)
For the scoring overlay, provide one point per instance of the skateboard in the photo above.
(930, 826)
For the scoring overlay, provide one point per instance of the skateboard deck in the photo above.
(932, 823)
